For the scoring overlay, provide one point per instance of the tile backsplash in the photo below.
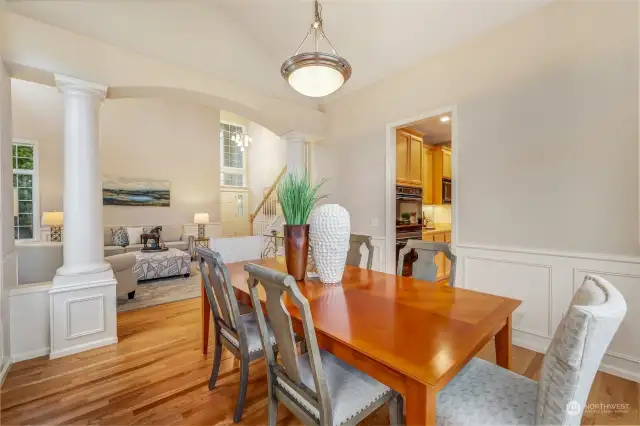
(439, 213)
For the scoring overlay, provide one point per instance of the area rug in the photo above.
(163, 290)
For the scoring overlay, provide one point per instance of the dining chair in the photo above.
(236, 332)
(425, 268)
(317, 387)
(354, 257)
(483, 393)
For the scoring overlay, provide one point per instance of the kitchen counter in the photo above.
(439, 228)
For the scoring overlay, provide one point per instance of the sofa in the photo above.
(38, 262)
(172, 236)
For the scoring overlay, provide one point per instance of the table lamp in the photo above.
(54, 220)
(201, 219)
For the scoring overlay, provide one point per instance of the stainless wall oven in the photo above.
(408, 218)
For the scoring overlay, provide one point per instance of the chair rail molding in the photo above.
(546, 281)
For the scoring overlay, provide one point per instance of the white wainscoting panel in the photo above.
(85, 316)
(545, 282)
(524, 281)
(29, 304)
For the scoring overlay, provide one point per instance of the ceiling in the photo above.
(246, 41)
(435, 131)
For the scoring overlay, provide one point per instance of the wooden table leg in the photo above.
(420, 403)
(206, 316)
(503, 345)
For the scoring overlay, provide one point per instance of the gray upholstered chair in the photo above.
(483, 393)
(237, 333)
(425, 268)
(317, 387)
(354, 257)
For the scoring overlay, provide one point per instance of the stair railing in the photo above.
(267, 209)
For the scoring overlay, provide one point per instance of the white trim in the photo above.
(390, 179)
(6, 365)
(22, 289)
(35, 191)
(31, 354)
(83, 347)
(542, 252)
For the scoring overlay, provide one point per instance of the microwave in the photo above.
(446, 191)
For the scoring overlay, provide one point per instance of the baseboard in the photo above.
(83, 347)
(30, 355)
(6, 365)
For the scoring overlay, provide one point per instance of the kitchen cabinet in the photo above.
(409, 157)
(441, 261)
(427, 176)
(441, 169)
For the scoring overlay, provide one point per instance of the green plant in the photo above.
(297, 197)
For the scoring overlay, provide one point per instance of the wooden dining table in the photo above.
(412, 335)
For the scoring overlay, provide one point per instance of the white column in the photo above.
(296, 152)
(83, 236)
(83, 295)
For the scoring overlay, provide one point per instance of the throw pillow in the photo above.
(134, 235)
(119, 237)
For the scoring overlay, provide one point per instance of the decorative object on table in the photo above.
(155, 230)
(201, 219)
(54, 220)
(151, 239)
(316, 74)
(119, 237)
(136, 192)
(195, 242)
(405, 218)
(297, 197)
(330, 231)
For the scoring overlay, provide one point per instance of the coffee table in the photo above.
(161, 264)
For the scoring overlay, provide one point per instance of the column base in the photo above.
(83, 313)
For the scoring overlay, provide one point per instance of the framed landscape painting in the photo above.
(136, 192)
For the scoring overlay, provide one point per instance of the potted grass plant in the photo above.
(297, 197)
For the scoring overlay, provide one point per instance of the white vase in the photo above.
(329, 231)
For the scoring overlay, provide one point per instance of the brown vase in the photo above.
(296, 249)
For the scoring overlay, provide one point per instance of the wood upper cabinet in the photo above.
(409, 157)
(427, 176)
(441, 165)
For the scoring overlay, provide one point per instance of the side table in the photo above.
(197, 242)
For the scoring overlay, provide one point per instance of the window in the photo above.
(25, 215)
(233, 164)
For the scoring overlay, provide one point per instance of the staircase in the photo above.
(266, 215)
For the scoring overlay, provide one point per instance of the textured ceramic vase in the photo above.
(330, 227)
(296, 249)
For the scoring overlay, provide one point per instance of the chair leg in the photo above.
(303, 347)
(244, 381)
(273, 411)
(395, 404)
(217, 356)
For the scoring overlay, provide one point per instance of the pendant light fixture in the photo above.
(316, 74)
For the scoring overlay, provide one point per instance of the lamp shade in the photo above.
(201, 218)
(52, 218)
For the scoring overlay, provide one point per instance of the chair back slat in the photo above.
(276, 286)
(219, 289)
(354, 256)
(425, 268)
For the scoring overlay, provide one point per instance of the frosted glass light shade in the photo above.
(316, 74)
(316, 81)
(52, 218)
(201, 218)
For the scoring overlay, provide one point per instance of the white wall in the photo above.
(139, 138)
(266, 157)
(547, 126)
(7, 249)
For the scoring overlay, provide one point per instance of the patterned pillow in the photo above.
(119, 237)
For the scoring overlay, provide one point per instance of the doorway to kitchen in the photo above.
(421, 170)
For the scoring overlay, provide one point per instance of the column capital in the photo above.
(71, 85)
(294, 136)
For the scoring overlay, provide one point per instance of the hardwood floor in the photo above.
(156, 374)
